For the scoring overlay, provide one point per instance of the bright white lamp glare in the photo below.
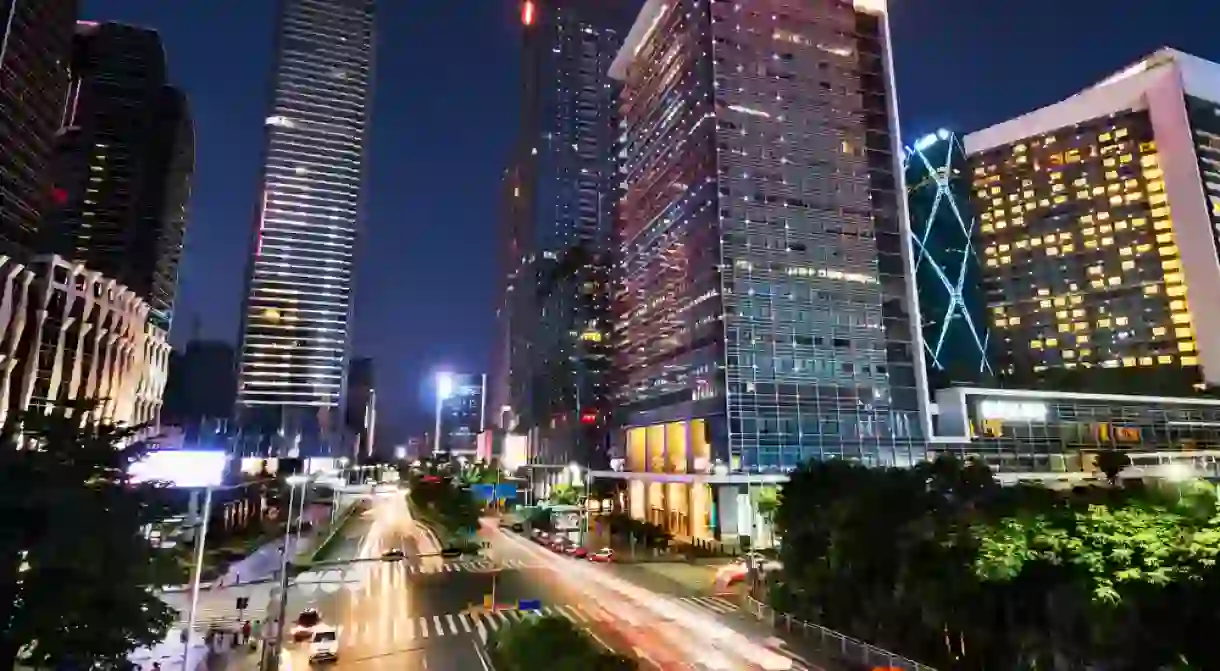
(444, 385)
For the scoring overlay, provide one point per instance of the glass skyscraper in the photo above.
(295, 323)
(560, 195)
(766, 315)
(947, 276)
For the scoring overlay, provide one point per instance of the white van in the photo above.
(324, 646)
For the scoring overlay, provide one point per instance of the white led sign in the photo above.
(1014, 411)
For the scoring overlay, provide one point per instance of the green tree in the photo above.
(78, 575)
(940, 563)
(565, 495)
(552, 643)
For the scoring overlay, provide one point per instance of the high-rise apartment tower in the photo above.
(295, 324)
(35, 43)
(1099, 225)
(766, 315)
(123, 165)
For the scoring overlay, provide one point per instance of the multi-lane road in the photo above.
(426, 613)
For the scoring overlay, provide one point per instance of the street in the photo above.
(427, 613)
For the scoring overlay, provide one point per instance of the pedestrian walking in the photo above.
(245, 631)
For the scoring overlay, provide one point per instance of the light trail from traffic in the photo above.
(655, 625)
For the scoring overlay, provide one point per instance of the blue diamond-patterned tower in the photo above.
(954, 329)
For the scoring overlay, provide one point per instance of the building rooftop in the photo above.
(1124, 90)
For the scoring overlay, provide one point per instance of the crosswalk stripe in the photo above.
(410, 626)
(423, 627)
(581, 616)
(712, 603)
(465, 620)
(452, 624)
(491, 622)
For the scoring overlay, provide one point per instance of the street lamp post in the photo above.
(444, 387)
(270, 664)
(200, 542)
(200, 539)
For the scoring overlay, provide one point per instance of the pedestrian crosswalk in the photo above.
(219, 608)
(472, 566)
(482, 624)
(715, 604)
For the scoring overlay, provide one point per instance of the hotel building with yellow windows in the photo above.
(1099, 229)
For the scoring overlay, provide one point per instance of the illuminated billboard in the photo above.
(514, 453)
(181, 468)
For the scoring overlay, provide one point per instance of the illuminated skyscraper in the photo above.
(766, 317)
(123, 165)
(1099, 223)
(553, 359)
(35, 48)
(946, 261)
(295, 324)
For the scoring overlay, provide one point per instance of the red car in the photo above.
(602, 556)
(577, 551)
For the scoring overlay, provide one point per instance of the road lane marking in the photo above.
(482, 657)
(465, 620)
(439, 626)
(452, 624)
(492, 622)
(478, 623)
(423, 627)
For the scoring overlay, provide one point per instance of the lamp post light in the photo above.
(444, 389)
(200, 542)
(273, 663)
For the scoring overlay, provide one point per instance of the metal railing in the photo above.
(832, 643)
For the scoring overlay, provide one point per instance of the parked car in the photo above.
(602, 556)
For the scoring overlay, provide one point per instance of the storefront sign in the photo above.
(1014, 411)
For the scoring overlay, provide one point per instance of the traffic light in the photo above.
(243, 602)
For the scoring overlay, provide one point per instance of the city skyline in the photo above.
(925, 77)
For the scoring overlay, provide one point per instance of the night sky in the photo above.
(444, 117)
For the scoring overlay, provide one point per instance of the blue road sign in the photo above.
(532, 604)
(506, 491)
(483, 492)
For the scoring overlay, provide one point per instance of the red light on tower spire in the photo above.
(527, 13)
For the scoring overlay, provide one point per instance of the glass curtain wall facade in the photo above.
(123, 165)
(1097, 228)
(946, 261)
(35, 42)
(560, 214)
(295, 328)
(765, 306)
